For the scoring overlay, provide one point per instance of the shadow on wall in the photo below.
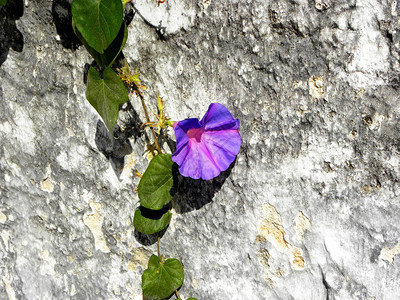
(10, 36)
(117, 148)
(192, 194)
(160, 30)
(188, 195)
(62, 17)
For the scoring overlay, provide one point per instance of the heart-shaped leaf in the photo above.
(151, 221)
(162, 278)
(156, 183)
(110, 54)
(105, 94)
(98, 21)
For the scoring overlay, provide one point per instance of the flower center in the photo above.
(195, 134)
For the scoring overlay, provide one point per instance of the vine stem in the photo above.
(136, 88)
(148, 121)
(177, 294)
(158, 245)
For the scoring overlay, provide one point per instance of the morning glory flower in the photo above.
(206, 148)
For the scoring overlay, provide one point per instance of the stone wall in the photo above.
(310, 208)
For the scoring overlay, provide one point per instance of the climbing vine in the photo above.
(204, 148)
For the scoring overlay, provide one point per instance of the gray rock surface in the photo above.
(310, 209)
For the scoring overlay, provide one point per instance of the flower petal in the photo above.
(218, 117)
(179, 155)
(181, 128)
(209, 168)
(224, 146)
(198, 162)
(206, 148)
(190, 166)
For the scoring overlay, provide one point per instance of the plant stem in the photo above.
(148, 121)
(158, 245)
(177, 294)
(170, 123)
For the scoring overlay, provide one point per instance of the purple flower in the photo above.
(206, 148)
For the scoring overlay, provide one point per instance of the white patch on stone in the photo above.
(140, 257)
(388, 254)
(393, 8)
(9, 289)
(25, 135)
(370, 59)
(47, 183)
(7, 178)
(302, 224)
(74, 158)
(129, 165)
(3, 218)
(72, 291)
(179, 67)
(309, 164)
(322, 4)
(62, 160)
(394, 161)
(94, 221)
(138, 297)
(195, 283)
(174, 15)
(376, 122)
(112, 178)
(47, 268)
(197, 67)
(5, 235)
(5, 128)
(339, 245)
(131, 292)
(316, 87)
(206, 4)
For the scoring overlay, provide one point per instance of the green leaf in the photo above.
(98, 21)
(105, 94)
(162, 278)
(156, 183)
(110, 54)
(151, 221)
(3, 2)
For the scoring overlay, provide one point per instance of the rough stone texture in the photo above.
(310, 209)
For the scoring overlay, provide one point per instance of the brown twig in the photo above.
(127, 77)
(148, 121)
